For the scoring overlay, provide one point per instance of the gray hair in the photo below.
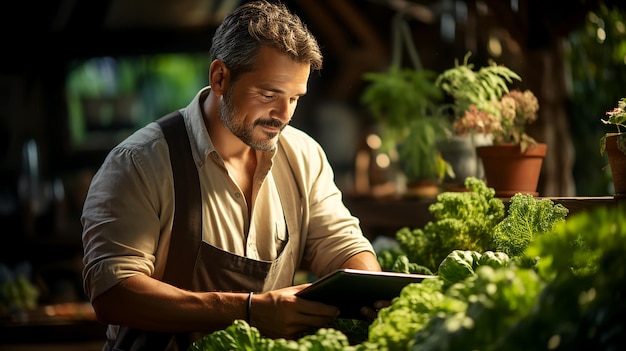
(260, 23)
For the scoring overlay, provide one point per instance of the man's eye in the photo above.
(268, 97)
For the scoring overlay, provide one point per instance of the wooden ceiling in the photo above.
(355, 34)
(41, 18)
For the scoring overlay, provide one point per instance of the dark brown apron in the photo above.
(198, 266)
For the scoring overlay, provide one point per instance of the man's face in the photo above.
(260, 104)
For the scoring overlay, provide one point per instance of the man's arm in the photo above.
(145, 303)
(363, 260)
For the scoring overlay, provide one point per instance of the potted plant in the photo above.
(484, 105)
(405, 103)
(614, 145)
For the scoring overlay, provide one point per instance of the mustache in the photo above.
(269, 122)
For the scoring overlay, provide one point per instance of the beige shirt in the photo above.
(128, 213)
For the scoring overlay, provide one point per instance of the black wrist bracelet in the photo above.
(249, 307)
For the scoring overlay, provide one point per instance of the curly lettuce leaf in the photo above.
(463, 221)
(527, 218)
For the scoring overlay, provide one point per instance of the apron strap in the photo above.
(187, 227)
(186, 234)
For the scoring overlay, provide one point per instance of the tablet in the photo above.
(351, 289)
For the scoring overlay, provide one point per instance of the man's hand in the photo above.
(371, 313)
(281, 314)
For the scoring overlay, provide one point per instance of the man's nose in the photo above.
(283, 110)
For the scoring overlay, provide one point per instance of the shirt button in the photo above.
(237, 195)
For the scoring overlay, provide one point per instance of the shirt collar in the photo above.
(200, 139)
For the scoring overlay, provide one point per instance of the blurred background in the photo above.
(77, 76)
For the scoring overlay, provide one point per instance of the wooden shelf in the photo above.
(54, 324)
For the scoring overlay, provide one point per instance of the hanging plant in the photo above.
(406, 104)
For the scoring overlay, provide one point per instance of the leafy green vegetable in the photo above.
(324, 339)
(573, 299)
(463, 221)
(495, 259)
(387, 257)
(241, 336)
(496, 299)
(403, 265)
(461, 264)
(579, 244)
(238, 336)
(457, 266)
(395, 326)
(526, 218)
(582, 308)
(356, 330)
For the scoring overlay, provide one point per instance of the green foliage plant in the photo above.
(595, 58)
(484, 104)
(18, 292)
(399, 95)
(420, 159)
(406, 104)
(617, 118)
(480, 88)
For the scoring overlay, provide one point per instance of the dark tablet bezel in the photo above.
(351, 289)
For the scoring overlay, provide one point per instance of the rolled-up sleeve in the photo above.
(123, 216)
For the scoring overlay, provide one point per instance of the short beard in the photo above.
(228, 116)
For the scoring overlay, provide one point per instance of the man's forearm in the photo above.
(145, 303)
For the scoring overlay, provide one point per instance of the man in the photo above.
(269, 204)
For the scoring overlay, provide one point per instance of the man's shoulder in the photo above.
(145, 137)
(146, 146)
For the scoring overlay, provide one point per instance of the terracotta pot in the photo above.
(509, 171)
(617, 161)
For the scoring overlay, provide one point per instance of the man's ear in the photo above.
(219, 77)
